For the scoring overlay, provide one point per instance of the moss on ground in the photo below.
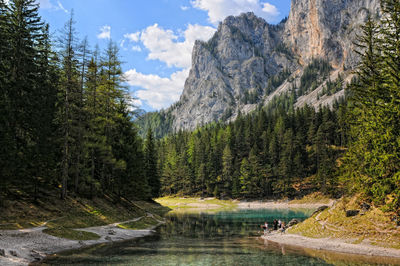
(63, 216)
(71, 233)
(143, 223)
(371, 227)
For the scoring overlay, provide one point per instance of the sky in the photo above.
(155, 37)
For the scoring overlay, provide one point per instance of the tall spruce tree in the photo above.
(151, 170)
(371, 164)
(69, 101)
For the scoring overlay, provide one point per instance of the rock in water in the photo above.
(13, 253)
(2, 252)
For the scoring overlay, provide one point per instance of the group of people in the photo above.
(277, 225)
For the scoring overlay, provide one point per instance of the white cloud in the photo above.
(122, 43)
(105, 32)
(165, 46)
(172, 48)
(61, 7)
(136, 103)
(270, 9)
(184, 8)
(157, 91)
(133, 37)
(47, 4)
(219, 10)
(136, 48)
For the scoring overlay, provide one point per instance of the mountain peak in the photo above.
(249, 62)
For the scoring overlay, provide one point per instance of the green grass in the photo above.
(316, 197)
(65, 215)
(71, 234)
(141, 224)
(178, 204)
(373, 226)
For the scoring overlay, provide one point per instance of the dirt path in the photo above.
(335, 245)
(20, 247)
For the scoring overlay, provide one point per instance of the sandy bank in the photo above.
(333, 245)
(280, 205)
(24, 246)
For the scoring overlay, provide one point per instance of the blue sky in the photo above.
(155, 36)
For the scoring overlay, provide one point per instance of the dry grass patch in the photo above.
(372, 226)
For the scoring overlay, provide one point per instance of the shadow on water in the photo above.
(225, 238)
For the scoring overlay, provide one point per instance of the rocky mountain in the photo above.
(249, 62)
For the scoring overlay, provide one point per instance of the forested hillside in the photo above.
(65, 119)
(262, 155)
(279, 151)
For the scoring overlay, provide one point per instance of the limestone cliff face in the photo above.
(230, 72)
(327, 28)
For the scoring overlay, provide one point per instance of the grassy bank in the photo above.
(372, 226)
(61, 217)
(142, 223)
(313, 198)
(179, 204)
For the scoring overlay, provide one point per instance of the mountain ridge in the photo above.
(248, 62)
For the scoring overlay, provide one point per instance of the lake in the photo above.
(222, 238)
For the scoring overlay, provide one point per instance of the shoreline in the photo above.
(281, 205)
(32, 245)
(332, 245)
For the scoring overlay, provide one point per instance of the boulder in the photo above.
(293, 222)
(36, 255)
(350, 213)
(2, 252)
(111, 232)
(365, 206)
(13, 253)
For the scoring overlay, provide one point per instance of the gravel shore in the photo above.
(280, 205)
(329, 244)
(21, 247)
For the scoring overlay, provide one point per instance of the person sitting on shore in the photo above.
(265, 227)
(283, 228)
(275, 224)
(279, 224)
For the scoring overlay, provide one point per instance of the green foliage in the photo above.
(260, 155)
(371, 164)
(275, 81)
(150, 160)
(65, 122)
(314, 74)
(159, 122)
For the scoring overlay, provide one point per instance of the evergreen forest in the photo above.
(65, 114)
(67, 125)
(282, 152)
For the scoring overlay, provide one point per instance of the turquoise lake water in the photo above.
(224, 238)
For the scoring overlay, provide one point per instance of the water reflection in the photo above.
(226, 238)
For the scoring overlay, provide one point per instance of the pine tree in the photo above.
(69, 99)
(227, 170)
(151, 172)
